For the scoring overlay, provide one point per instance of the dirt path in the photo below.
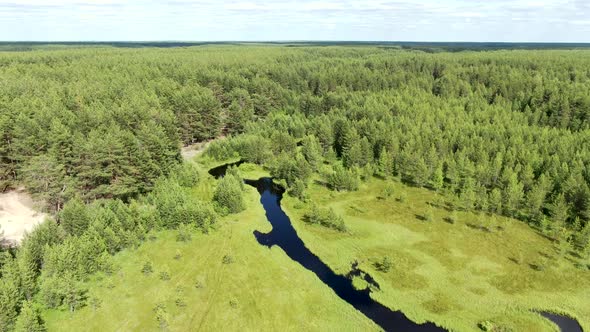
(17, 216)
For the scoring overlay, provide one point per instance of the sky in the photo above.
(288, 20)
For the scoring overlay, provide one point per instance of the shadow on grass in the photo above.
(544, 254)
(514, 260)
(478, 227)
(449, 220)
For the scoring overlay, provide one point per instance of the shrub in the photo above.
(147, 268)
(384, 265)
(161, 316)
(297, 189)
(177, 255)
(227, 259)
(429, 215)
(343, 179)
(325, 217)
(453, 218)
(184, 233)
(186, 174)
(388, 190)
(228, 195)
(164, 274)
(486, 325)
(402, 197)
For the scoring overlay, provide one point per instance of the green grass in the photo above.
(453, 274)
(262, 289)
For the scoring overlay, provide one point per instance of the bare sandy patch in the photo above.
(17, 216)
(190, 151)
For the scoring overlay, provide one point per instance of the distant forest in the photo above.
(505, 132)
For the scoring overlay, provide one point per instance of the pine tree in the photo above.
(535, 198)
(385, 163)
(228, 194)
(29, 319)
(495, 201)
(513, 194)
(46, 179)
(352, 154)
(437, 178)
(312, 151)
(75, 218)
(559, 211)
(28, 273)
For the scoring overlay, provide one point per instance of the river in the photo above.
(283, 235)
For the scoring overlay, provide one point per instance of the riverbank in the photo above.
(456, 275)
(257, 288)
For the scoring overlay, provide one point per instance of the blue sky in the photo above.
(252, 20)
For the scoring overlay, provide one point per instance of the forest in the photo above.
(95, 134)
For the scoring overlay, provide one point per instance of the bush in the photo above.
(343, 179)
(227, 259)
(486, 325)
(384, 265)
(184, 233)
(147, 268)
(325, 217)
(186, 174)
(388, 190)
(429, 215)
(161, 316)
(453, 218)
(229, 195)
(164, 276)
(297, 190)
(402, 197)
(177, 255)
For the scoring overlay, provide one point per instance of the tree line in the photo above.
(96, 134)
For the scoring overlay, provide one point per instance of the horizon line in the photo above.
(296, 41)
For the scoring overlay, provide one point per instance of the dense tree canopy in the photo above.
(95, 133)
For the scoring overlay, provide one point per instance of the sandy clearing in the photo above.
(17, 216)
(190, 151)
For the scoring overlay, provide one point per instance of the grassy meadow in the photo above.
(455, 274)
(255, 289)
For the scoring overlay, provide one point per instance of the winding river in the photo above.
(284, 235)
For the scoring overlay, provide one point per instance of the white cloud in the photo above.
(501, 20)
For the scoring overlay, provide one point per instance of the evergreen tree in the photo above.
(29, 319)
(437, 178)
(513, 194)
(559, 211)
(46, 179)
(312, 151)
(385, 163)
(75, 217)
(228, 194)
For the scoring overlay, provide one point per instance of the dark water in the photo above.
(566, 324)
(284, 235)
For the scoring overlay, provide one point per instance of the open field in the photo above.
(456, 275)
(261, 289)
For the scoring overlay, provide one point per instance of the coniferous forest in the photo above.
(477, 137)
